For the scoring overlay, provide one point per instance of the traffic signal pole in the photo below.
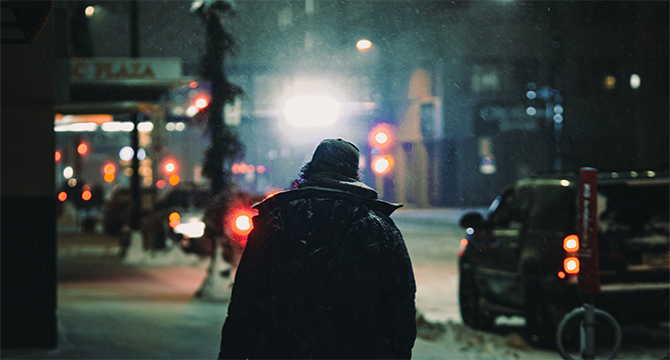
(135, 192)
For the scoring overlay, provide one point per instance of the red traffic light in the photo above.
(82, 149)
(381, 136)
(170, 166)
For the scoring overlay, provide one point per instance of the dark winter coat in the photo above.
(325, 274)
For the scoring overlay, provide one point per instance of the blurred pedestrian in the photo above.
(325, 273)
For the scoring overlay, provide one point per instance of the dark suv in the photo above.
(516, 260)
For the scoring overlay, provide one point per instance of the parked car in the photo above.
(188, 219)
(512, 261)
(179, 216)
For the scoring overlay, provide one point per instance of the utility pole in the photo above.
(135, 190)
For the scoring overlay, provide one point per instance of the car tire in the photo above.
(469, 300)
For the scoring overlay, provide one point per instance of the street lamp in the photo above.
(311, 111)
(363, 45)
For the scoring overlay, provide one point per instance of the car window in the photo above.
(636, 210)
(553, 209)
(513, 209)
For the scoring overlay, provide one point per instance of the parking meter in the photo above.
(589, 275)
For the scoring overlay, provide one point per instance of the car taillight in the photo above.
(571, 243)
(461, 249)
(175, 219)
(241, 223)
(571, 265)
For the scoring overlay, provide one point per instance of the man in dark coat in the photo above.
(325, 273)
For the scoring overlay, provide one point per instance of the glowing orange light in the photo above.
(571, 243)
(260, 169)
(236, 168)
(382, 164)
(174, 179)
(464, 242)
(272, 194)
(175, 219)
(160, 184)
(170, 166)
(109, 169)
(58, 156)
(82, 149)
(193, 84)
(381, 136)
(251, 168)
(241, 223)
(201, 102)
(561, 275)
(363, 44)
(86, 195)
(62, 196)
(571, 265)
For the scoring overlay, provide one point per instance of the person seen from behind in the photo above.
(325, 272)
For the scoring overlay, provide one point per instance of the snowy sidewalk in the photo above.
(109, 308)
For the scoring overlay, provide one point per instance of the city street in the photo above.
(111, 310)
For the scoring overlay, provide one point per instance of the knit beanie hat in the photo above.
(334, 155)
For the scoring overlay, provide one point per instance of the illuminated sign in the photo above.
(115, 69)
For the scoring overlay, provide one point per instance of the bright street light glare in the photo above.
(363, 44)
(381, 138)
(312, 111)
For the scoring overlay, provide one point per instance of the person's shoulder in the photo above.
(377, 230)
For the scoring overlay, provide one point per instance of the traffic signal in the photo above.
(382, 164)
(170, 166)
(381, 136)
(380, 140)
(109, 171)
(170, 169)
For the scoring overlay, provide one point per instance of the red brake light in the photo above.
(571, 243)
(571, 265)
(241, 223)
